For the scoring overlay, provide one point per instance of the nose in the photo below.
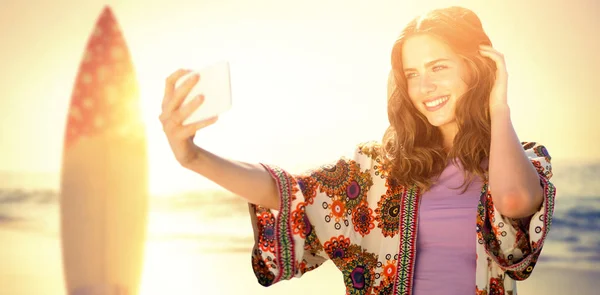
(427, 84)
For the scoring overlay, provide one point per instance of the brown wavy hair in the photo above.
(412, 147)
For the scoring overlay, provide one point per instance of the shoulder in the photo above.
(368, 153)
(371, 149)
(362, 157)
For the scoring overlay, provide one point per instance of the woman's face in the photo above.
(435, 78)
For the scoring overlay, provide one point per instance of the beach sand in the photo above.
(30, 264)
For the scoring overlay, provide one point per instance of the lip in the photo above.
(435, 108)
(434, 98)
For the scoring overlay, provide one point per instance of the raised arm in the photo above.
(250, 181)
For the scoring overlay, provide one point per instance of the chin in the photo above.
(439, 122)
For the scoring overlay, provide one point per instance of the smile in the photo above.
(437, 103)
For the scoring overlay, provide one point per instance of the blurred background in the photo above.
(309, 82)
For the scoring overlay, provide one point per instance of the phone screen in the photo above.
(215, 85)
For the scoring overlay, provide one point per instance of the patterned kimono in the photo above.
(350, 212)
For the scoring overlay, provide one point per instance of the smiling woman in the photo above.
(442, 96)
(441, 82)
(327, 53)
(393, 219)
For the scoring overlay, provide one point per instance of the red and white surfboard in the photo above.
(104, 180)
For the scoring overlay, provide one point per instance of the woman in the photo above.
(449, 202)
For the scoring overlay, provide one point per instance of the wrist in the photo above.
(194, 160)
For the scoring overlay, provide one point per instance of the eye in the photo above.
(410, 75)
(438, 68)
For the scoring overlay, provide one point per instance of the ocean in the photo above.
(217, 221)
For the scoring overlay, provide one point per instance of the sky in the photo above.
(308, 77)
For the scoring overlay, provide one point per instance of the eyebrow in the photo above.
(428, 64)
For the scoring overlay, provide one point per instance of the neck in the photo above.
(448, 131)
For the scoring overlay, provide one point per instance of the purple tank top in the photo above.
(446, 253)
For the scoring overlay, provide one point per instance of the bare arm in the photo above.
(514, 182)
(250, 181)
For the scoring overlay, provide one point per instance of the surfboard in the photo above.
(104, 175)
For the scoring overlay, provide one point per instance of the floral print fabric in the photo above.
(351, 213)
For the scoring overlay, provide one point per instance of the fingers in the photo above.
(181, 92)
(189, 130)
(494, 55)
(187, 109)
(489, 48)
(173, 113)
(172, 121)
(170, 85)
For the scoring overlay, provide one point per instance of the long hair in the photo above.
(411, 146)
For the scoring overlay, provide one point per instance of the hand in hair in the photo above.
(498, 95)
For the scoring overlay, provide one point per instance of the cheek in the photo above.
(460, 87)
(456, 82)
(447, 81)
(414, 94)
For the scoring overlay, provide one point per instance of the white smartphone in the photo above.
(215, 85)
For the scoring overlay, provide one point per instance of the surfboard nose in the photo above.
(105, 96)
(107, 11)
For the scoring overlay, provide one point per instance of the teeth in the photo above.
(436, 102)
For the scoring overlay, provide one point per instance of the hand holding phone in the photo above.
(215, 85)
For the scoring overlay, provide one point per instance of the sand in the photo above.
(30, 264)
